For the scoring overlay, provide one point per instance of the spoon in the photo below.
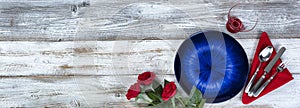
(279, 68)
(263, 56)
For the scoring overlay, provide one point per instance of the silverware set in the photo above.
(254, 90)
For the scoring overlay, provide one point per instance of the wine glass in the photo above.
(235, 24)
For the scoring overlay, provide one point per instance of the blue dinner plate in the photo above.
(214, 62)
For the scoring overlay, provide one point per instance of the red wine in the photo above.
(235, 25)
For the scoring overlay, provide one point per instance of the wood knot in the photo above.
(74, 8)
(65, 66)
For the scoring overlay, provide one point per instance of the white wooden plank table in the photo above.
(86, 53)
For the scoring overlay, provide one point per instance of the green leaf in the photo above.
(158, 90)
(154, 103)
(196, 96)
(154, 97)
(157, 87)
(166, 82)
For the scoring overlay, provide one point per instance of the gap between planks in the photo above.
(109, 57)
(109, 91)
(88, 20)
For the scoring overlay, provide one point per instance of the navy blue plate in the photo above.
(214, 62)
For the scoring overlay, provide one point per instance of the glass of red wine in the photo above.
(235, 24)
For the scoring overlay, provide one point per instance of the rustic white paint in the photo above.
(109, 91)
(86, 53)
(130, 19)
(108, 57)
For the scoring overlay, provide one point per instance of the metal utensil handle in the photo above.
(264, 85)
(252, 79)
(258, 83)
(267, 70)
(274, 60)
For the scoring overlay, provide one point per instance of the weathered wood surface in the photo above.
(130, 19)
(61, 73)
(109, 57)
(108, 91)
(86, 53)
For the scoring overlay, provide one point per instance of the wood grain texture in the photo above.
(108, 57)
(86, 53)
(135, 20)
(109, 91)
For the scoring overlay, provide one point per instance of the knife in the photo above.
(267, 70)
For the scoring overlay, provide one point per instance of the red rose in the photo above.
(234, 25)
(169, 91)
(146, 78)
(133, 91)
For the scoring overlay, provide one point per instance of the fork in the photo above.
(279, 68)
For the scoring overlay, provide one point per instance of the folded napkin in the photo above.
(279, 80)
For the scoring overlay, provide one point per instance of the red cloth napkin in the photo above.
(279, 80)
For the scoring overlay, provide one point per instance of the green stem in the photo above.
(173, 102)
(181, 101)
(142, 97)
